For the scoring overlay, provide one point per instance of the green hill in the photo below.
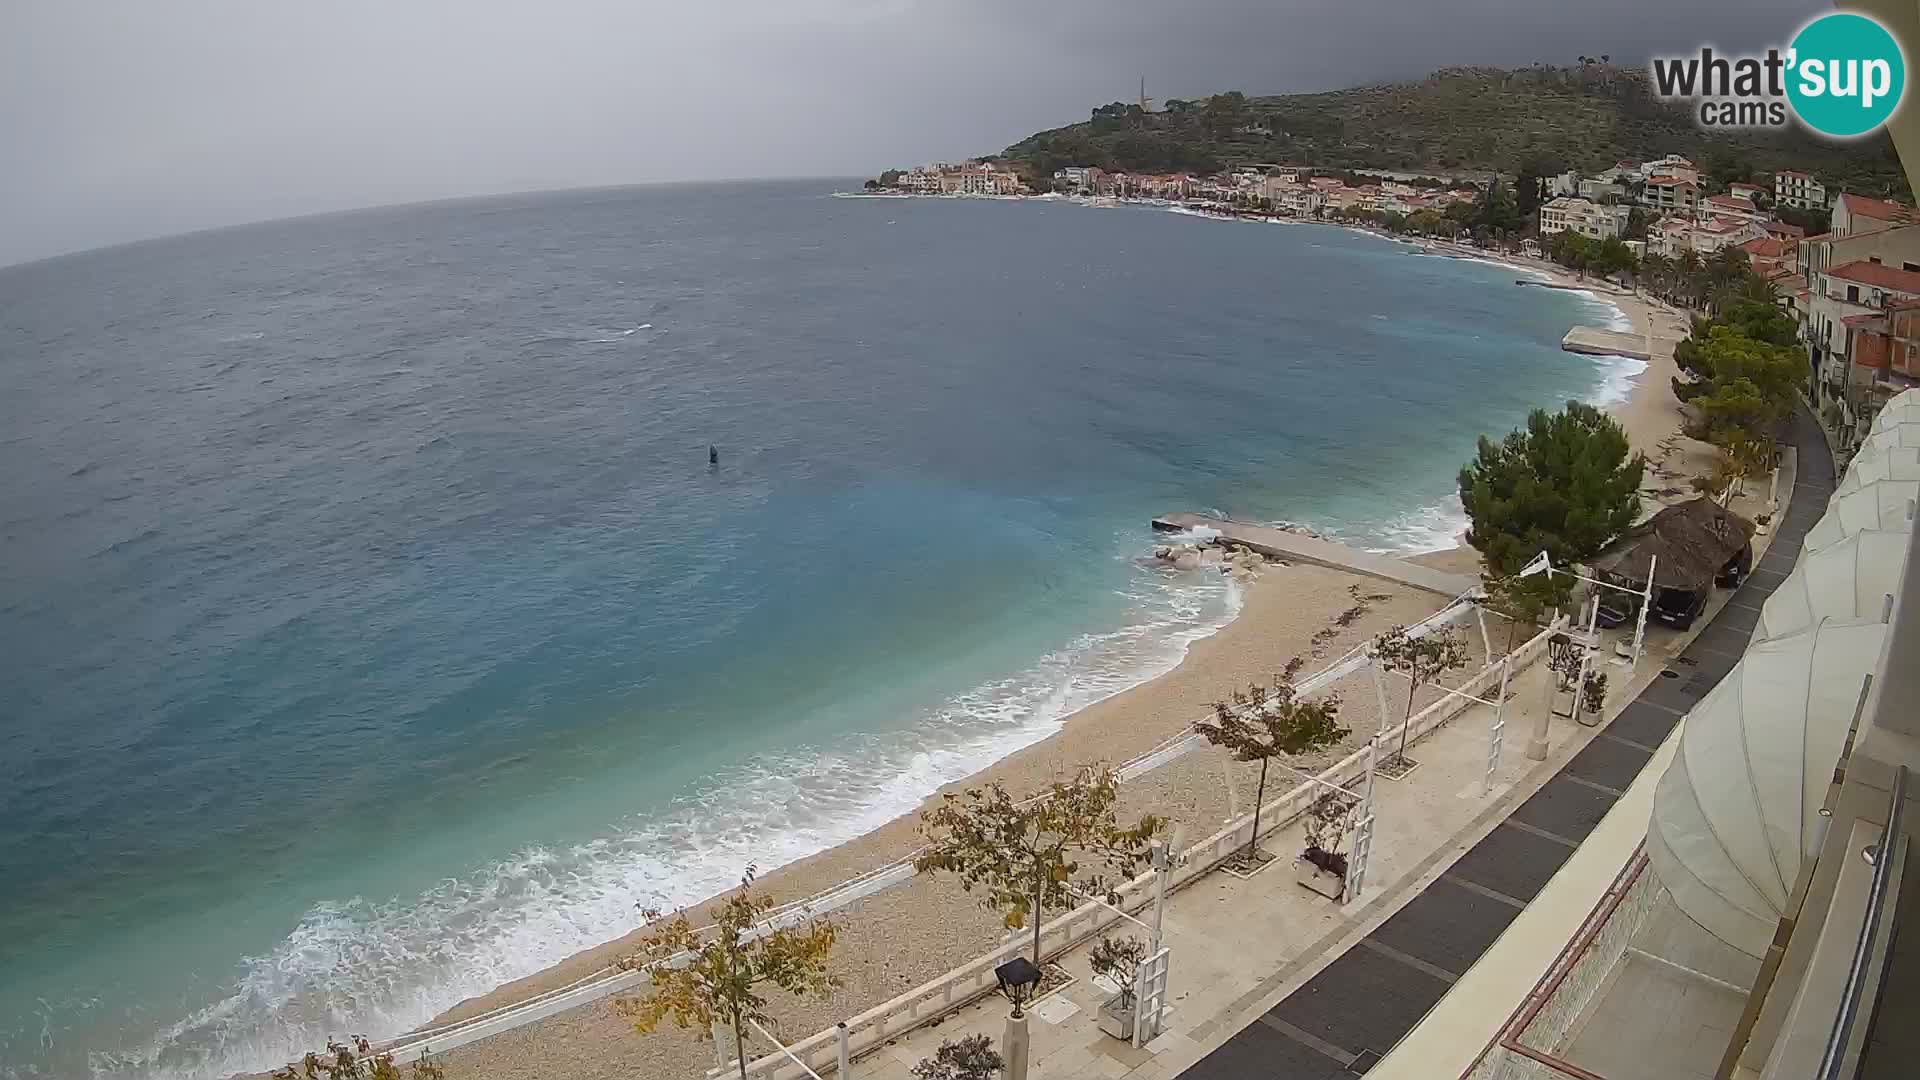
(1456, 121)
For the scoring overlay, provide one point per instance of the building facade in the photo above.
(1798, 189)
(1589, 219)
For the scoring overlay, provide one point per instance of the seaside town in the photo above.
(1845, 266)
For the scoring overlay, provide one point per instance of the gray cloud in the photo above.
(123, 120)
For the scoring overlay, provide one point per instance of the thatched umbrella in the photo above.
(1688, 544)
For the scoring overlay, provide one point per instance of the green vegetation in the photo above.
(1025, 854)
(969, 1058)
(1119, 961)
(1421, 659)
(1741, 372)
(1567, 485)
(1540, 120)
(722, 980)
(356, 1062)
(1589, 256)
(1260, 724)
(1711, 283)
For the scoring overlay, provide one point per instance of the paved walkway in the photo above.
(1344, 1019)
(1297, 547)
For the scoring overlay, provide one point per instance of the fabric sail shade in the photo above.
(1882, 504)
(1891, 437)
(1901, 408)
(1849, 579)
(1899, 463)
(1739, 808)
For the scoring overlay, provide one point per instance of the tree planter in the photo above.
(1117, 1019)
(1321, 873)
(1314, 879)
(1395, 768)
(1239, 866)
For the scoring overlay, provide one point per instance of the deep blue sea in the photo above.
(373, 628)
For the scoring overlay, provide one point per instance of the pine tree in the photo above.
(1566, 484)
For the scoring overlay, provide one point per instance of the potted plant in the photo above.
(1322, 867)
(1118, 961)
(971, 1058)
(1595, 696)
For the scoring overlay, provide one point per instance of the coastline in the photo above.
(1280, 614)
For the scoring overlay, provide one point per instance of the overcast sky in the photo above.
(122, 119)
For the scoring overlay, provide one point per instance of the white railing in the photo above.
(614, 979)
(974, 979)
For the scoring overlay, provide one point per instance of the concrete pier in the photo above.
(1597, 342)
(1295, 547)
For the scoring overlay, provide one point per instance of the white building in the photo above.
(1581, 216)
(1798, 189)
(1602, 189)
(1854, 214)
(1671, 165)
(1730, 206)
(1084, 177)
(1671, 193)
(1680, 233)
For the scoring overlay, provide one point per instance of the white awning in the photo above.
(1845, 580)
(1882, 504)
(1886, 438)
(1901, 408)
(1739, 808)
(1899, 463)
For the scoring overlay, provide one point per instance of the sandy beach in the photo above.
(1283, 611)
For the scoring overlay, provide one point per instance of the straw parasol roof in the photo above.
(1688, 543)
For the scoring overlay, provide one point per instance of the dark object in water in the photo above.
(713, 455)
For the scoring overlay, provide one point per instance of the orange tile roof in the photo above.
(1767, 247)
(1875, 274)
(1878, 209)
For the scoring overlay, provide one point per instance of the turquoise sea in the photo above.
(373, 629)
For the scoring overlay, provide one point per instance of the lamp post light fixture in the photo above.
(1018, 980)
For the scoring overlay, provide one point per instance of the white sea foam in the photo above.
(1617, 379)
(1437, 527)
(381, 968)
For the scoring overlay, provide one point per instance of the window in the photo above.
(1853, 294)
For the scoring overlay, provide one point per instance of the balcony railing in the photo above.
(1852, 1026)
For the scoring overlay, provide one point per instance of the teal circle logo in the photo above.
(1846, 75)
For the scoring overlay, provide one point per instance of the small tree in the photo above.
(971, 1058)
(1260, 724)
(1119, 960)
(1521, 600)
(724, 970)
(1422, 660)
(356, 1062)
(1025, 856)
(1594, 695)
